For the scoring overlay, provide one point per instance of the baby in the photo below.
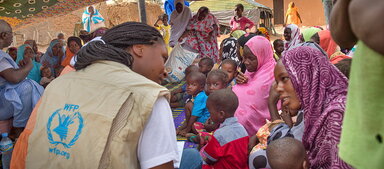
(287, 152)
(230, 66)
(46, 76)
(205, 65)
(196, 109)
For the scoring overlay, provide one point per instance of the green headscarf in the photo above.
(237, 34)
(308, 33)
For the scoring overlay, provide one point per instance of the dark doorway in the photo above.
(278, 11)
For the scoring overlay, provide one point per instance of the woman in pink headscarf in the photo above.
(253, 86)
(292, 36)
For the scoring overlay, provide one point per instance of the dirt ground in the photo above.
(46, 30)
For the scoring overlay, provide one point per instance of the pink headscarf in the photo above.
(253, 95)
(322, 90)
(295, 37)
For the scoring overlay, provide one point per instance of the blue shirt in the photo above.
(200, 109)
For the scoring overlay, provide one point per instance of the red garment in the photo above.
(203, 36)
(241, 24)
(231, 155)
(337, 59)
(327, 43)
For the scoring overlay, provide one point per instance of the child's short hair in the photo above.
(206, 61)
(277, 41)
(230, 62)
(240, 6)
(224, 100)
(190, 69)
(344, 66)
(286, 152)
(198, 76)
(220, 74)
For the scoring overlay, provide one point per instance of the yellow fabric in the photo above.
(114, 110)
(291, 15)
(166, 32)
(12, 21)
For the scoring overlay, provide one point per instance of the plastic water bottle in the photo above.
(6, 144)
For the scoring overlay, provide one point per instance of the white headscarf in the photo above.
(74, 58)
(295, 36)
(91, 24)
(179, 22)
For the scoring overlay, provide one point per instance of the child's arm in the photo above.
(286, 115)
(340, 25)
(273, 99)
(156, 25)
(178, 90)
(253, 141)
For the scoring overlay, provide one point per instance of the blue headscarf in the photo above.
(49, 59)
(169, 7)
(34, 74)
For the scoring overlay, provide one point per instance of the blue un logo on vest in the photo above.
(64, 129)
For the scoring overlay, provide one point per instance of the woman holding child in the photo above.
(201, 34)
(179, 21)
(307, 81)
(253, 86)
(52, 58)
(26, 51)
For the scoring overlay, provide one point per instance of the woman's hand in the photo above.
(241, 78)
(26, 62)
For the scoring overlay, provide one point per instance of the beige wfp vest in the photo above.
(92, 118)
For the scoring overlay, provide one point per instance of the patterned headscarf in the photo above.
(295, 36)
(322, 90)
(229, 49)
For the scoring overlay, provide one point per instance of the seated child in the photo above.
(179, 95)
(278, 45)
(287, 153)
(205, 65)
(230, 66)
(46, 76)
(216, 80)
(195, 109)
(228, 146)
(344, 66)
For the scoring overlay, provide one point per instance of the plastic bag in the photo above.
(177, 62)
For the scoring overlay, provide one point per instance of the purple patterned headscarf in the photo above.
(322, 90)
